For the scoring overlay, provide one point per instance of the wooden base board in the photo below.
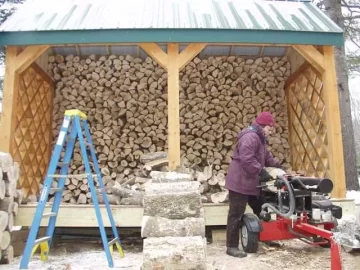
(131, 216)
(124, 216)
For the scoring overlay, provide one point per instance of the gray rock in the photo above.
(173, 205)
(162, 227)
(169, 177)
(161, 188)
(174, 253)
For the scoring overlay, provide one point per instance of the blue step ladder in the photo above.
(74, 123)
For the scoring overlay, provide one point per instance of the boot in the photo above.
(272, 244)
(235, 252)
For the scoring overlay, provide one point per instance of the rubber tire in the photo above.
(252, 243)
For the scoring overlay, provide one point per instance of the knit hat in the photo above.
(265, 119)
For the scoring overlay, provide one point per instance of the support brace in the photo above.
(15, 63)
(312, 55)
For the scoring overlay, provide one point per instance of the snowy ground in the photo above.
(293, 254)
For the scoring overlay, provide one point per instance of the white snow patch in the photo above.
(353, 195)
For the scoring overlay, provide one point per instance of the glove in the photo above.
(265, 176)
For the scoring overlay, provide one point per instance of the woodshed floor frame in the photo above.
(322, 60)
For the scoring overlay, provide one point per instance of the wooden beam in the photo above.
(28, 56)
(173, 106)
(10, 96)
(312, 55)
(333, 124)
(156, 53)
(216, 214)
(189, 53)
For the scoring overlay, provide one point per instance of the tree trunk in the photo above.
(333, 10)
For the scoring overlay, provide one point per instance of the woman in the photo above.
(246, 171)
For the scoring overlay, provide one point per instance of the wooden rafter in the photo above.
(312, 55)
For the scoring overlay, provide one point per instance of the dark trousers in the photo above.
(237, 203)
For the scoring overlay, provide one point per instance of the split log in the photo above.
(220, 197)
(81, 199)
(6, 161)
(149, 157)
(164, 253)
(7, 256)
(220, 179)
(10, 188)
(113, 199)
(4, 220)
(204, 187)
(10, 223)
(162, 227)
(2, 189)
(19, 196)
(128, 196)
(15, 209)
(6, 240)
(7, 204)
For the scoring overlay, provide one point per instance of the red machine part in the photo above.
(286, 228)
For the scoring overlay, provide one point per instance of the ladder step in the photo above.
(113, 241)
(70, 175)
(41, 240)
(56, 189)
(50, 214)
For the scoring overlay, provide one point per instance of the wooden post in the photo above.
(10, 95)
(14, 64)
(173, 62)
(173, 106)
(333, 123)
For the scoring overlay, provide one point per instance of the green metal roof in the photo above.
(132, 21)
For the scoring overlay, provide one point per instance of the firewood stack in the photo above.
(10, 198)
(125, 99)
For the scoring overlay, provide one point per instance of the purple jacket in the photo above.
(250, 156)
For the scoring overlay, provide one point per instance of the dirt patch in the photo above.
(293, 255)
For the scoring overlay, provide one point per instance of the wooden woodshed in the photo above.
(182, 38)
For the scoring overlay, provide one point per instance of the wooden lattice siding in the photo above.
(32, 131)
(308, 123)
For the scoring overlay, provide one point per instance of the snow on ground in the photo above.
(354, 195)
(293, 255)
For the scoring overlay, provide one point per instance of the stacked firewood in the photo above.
(10, 198)
(125, 99)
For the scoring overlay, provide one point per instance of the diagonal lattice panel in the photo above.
(31, 140)
(308, 124)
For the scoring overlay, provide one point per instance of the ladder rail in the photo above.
(101, 183)
(34, 229)
(70, 145)
(93, 193)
